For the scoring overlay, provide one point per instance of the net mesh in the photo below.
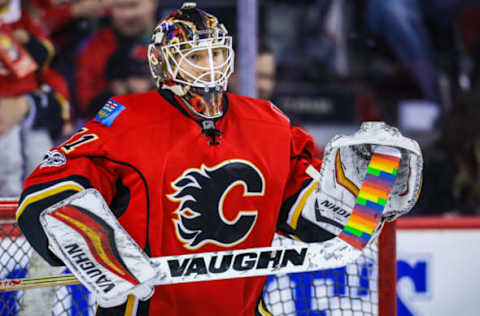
(347, 291)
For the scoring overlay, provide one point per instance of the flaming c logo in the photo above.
(201, 193)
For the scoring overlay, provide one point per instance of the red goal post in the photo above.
(365, 287)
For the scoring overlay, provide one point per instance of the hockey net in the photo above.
(365, 287)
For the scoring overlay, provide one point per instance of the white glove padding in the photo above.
(344, 167)
(86, 236)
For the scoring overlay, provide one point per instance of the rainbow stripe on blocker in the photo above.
(372, 197)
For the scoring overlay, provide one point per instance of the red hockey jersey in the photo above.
(175, 193)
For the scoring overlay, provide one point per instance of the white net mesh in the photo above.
(347, 291)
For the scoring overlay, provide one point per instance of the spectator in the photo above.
(404, 26)
(131, 22)
(69, 24)
(452, 165)
(126, 72)
(266, 83)
(401, 24)
(469, 30)
(419, 33)
(464, 145)
(33, 98)
(266, 72)
(57, 15)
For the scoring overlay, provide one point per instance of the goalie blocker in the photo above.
(86, 236)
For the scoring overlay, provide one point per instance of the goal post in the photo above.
(365, 287)
(387, 266)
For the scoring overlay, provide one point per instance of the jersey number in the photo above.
(74, 142)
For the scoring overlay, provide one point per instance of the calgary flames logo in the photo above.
(201, 194)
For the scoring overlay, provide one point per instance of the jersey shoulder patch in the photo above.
(109, 112)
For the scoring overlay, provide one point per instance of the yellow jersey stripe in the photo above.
(50, 49)
(298, 210)
(262, 310)
(132, 305)
(42, 194)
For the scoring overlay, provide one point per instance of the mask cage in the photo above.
(211, 76)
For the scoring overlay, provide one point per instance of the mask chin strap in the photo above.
(210, 131)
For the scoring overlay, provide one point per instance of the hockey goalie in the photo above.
(188, 169)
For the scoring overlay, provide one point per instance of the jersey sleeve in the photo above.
(75, 165)
(299, 187)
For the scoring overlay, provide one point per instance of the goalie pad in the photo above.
(86, 236)
(343, 171)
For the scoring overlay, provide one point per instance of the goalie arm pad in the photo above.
(86, 236)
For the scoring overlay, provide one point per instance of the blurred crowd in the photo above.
(332, 63)
(59, 62)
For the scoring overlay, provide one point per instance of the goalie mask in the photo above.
(191, 55)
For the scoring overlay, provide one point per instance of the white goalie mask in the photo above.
(191, 55)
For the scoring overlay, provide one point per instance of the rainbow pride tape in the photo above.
(372, 197)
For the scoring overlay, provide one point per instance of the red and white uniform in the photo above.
(148, 158)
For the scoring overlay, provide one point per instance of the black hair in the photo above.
(263, 47)
(126, 63)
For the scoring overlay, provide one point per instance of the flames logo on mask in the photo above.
(201, 194)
